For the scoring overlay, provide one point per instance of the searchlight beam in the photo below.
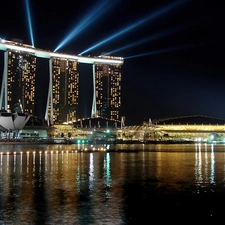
(127, 29)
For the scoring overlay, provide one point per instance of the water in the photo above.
(55, 184)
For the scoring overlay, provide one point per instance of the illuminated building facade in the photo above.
(107, 90)
(19, 75)
(65, 81)
(18, 86)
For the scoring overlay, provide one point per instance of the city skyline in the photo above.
(173, 53)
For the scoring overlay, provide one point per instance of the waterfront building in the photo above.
(18, 94)
(12, 123)
(195, 128)
(63, 90)
(19, 76)
(107, 93)
(18, 82)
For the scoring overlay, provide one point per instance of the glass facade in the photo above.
(108, 90)
(21, 82)
(65, 81)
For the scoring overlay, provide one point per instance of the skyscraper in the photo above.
(19, 83)
(64, 86)
(107, 90)
(18, 86)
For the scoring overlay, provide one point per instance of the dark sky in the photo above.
(178, 48)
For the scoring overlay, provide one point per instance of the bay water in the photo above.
(59, 184)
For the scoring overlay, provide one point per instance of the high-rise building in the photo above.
(107, 90)
(18, 86)
(64, 86)
(19, 77)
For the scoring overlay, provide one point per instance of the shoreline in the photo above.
(52, 142)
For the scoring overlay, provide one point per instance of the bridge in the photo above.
(194, 128)
(17, 46)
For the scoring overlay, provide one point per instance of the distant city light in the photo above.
(151, 17)
(29, 22)
(90, 18)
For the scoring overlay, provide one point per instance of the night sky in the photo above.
(173, 50)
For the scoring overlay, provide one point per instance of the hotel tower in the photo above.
(62, 100)
(18, 82)
(107, 90)
(19, 75)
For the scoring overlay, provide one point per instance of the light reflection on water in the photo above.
(50, 184)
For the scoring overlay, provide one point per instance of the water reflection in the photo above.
(205, 164)
(51, 184)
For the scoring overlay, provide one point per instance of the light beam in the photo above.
(151, 17)
(148, 39)
(165, 33)
(100, 9)
(29, 22)
(161, 51)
